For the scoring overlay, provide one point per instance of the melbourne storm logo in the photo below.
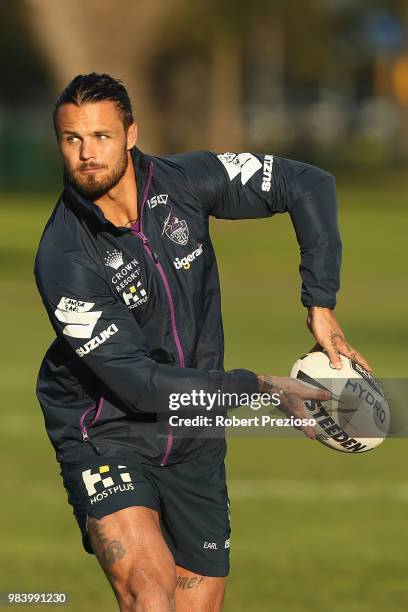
(176, 229)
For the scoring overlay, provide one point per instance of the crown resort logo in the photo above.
(114, 260)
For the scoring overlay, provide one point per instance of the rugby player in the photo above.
(128, 277)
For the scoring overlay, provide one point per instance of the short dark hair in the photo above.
(94, 87)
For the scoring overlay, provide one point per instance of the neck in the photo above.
(119, 205)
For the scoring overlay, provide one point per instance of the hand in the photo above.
(292, 394)
(325, 328)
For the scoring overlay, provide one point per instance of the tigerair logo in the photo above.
(106, 481)
(185, 262)
(114, 260)
(97, 340)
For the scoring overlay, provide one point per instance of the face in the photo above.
(94, 146)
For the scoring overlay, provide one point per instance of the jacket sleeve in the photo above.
(107, 339)
(249, 186)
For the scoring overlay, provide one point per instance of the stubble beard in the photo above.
(93, 188)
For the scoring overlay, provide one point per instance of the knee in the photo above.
(147, 591)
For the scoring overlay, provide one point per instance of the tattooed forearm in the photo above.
(106, 551)
(184, 582)
(267, 383)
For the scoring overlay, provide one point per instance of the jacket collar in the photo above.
(86, 207)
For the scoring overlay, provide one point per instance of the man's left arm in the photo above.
(247, 186)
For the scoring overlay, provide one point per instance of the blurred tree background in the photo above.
(321, 80)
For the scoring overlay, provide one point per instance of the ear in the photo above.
(131, 136)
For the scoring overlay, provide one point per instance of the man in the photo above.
(128, 276)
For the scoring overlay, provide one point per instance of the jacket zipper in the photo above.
(166, 284)
(84, 428)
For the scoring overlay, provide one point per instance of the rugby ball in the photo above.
(357, 418)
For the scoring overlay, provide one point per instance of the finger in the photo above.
(363, 362)
(348, 351)
(309, 393)
(298, 411)
(309, 432)
(333, 352)
(307, 429)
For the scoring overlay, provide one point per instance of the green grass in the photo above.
(313, 530)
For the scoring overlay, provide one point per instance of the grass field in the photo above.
(313, 530)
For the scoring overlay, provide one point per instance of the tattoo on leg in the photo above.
(184, 582)
(106, 551)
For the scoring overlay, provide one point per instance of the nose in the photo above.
(86, 152)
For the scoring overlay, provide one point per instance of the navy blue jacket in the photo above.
(137, 312)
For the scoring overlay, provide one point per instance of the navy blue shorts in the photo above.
(191, 499)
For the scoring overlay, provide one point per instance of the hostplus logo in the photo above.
(106, 481)
(135, 296)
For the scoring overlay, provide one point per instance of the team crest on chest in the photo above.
(176, 229)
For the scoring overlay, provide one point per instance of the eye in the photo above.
(101, 136)
(72, 139)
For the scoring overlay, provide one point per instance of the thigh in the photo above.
(98, 489)
(131, 549)
(199, 593)
(117, 509)
(194, 513)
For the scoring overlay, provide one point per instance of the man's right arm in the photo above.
(107, 339)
